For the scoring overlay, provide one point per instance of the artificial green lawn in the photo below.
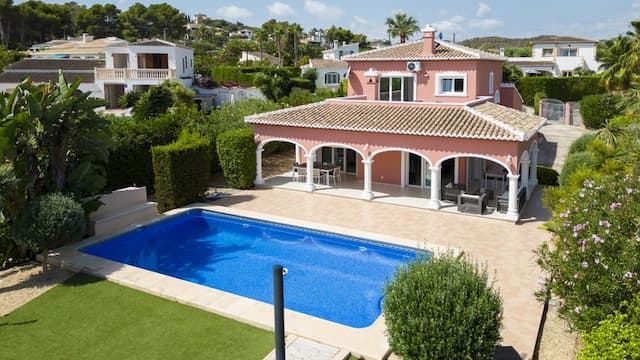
(88, 318)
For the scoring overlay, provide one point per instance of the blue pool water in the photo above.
(334, 277)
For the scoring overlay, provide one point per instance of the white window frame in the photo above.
(491, 80)
(451, 75)
(569, 49)
(327, 76)
(400, 75)
(547, 55)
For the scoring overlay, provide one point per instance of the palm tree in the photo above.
(402, 26)
(296, 30)
(279, 31)
(261, 36)
(618, 60)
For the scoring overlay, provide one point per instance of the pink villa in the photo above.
(430, 115)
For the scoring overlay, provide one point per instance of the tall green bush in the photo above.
(547, 176)
(130, 161)
(237, 154)
(592, 260)
(617, 337)
(596, 110)
(573, 163)
(536, 101)
(580, 144)
(442, 308)
(48, 222)
(181, 171)
(572, 88)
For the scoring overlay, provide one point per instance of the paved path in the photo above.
(298, 348)
(559, 138)
(506, 248)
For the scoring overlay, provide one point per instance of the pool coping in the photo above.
(369, 342)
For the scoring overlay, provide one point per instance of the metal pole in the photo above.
(278, 309)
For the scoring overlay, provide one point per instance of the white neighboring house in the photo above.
(337, 51)
(137, 66)
(242, 34)
(254, 56)
(216, 97)
(559, 57)
(330, 72)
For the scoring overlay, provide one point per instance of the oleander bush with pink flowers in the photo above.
(593, 261)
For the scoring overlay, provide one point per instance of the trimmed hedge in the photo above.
(573, 162)
(302, 83)
(181, 171)
(130, 160)
(596, 110)
(580, 144)
(442, 308)
(547, 176)
(572, 88)
(237, 156)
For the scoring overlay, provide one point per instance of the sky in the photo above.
(466, 18)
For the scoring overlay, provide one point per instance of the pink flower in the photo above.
(585, 264)
(577, 310)
(629, 191)
(628, 275)
(615, 205)
(597, 239)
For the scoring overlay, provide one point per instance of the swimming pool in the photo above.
(330, 276)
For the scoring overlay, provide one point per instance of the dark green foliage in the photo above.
(50, 221)
(311, 74)
(154, 102)
(181, 171)
(581, 143)
(617, 337)
(596, 110)
(572, 88)
(573, 163)
(547, 176)
(129, 99)
(237, 154)
(274, 84)
(130, 160)
(302, 83)
(511, 73)
(246, 75)
(442, 308)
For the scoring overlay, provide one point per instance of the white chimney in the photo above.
(84, 37)
(428, 41)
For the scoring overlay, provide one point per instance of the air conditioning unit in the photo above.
(413, 66)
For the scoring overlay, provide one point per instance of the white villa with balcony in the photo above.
(137, 66)
(559, 56)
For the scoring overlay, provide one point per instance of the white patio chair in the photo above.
(316, 175)
(299, 173)
(334, 175)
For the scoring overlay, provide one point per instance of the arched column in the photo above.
(524, 165)
(309, 186)
(512, 211)
(259, 180)
(367, 193)
(533, 175)
(435, 186)
(298, 154)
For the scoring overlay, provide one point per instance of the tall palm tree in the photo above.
(618, 61)
(279, 31)
(261, 37)
(296, 30)
(402, 26)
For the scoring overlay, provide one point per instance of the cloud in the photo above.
(452, 24)
(233, 12)
(635, 5)
(361, 25)
(322, 11)
(280, 9)
(483, 9)
(486, 24)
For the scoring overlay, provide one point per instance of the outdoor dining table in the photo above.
(325, 169)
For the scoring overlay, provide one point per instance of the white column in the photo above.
(403, 169)
(524, 166)
(259, 180)
(512, 211)
(309, 186)
(298, 156)
(367, 193)
(533, 175)
(435, 186)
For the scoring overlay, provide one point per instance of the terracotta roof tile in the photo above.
(328, 64)
(485, 121)
(413, 51)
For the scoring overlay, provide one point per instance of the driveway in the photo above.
(506, 248)
(558, 139)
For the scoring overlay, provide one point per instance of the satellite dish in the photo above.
(440, 36)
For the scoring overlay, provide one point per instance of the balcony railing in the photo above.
(134, 74)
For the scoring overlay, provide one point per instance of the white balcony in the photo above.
(125, 74)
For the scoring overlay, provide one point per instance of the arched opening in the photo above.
(399, 166)
(345, 157)
(276, 159)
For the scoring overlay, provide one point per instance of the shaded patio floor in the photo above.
(351, 187)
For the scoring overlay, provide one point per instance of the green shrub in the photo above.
(302, 84)
(592, 259)
(130, 160)
(181, 171)
(573, 163)
(547, 176)
(237, 154)
(536, 101)
(152, 103)
(617, 337)
(48, 222)
(596, 110)
(129, 99)
(580, 144)
(442, 308)
(572, 88)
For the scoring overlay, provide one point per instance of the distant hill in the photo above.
(494, 43)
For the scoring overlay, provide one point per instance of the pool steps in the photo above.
(122, 208)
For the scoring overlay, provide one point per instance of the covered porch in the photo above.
(491, 173)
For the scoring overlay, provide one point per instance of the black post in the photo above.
(278, 309)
